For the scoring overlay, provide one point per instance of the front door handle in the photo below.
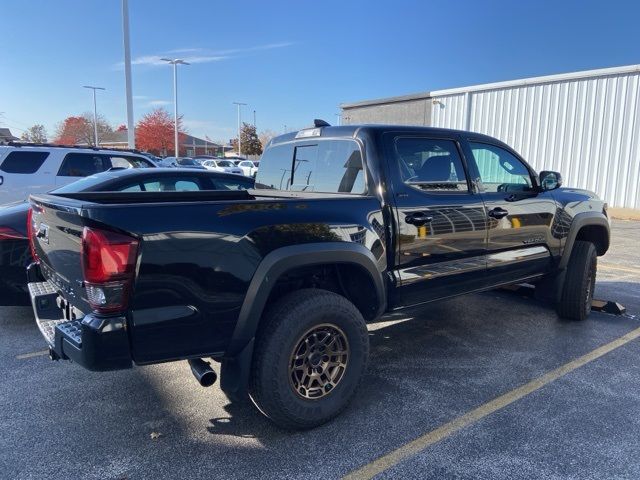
(498, 213)
(418, 218)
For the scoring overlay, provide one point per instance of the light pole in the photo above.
(131, 133)
(254, 119)
(239, 105)
(175, 62)
(95, 112)
(339, 115)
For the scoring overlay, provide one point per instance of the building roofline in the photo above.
(378, 101)
(559, 77)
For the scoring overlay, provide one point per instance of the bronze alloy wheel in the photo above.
(318, 361)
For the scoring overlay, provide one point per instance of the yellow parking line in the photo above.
(396, 456)
(606, 266)
(32, 354)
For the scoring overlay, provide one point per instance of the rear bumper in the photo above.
(96, 343)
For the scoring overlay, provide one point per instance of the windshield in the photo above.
(225, 163)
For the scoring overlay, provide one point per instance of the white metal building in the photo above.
(585, 124)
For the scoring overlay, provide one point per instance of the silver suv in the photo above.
(31, 168)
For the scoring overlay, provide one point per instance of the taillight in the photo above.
(108, 266)
(31, 234)
(8, 233)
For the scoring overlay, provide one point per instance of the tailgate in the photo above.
(57, 225)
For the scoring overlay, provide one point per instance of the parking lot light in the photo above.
(175, 62)
(95, 112)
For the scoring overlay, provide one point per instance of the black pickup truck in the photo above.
(277, 283)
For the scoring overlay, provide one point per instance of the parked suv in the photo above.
(30, 168)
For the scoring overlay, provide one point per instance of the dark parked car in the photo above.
(345, 224)
(14, 246)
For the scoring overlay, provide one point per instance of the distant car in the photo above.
(156, 160)
(14, 246)
(187, 162)
(248, 168)
(167, 162)
(222, 165)
(37, 168)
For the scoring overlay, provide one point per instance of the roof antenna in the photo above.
(317, 123)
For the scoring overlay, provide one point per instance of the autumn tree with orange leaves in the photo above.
(79, 130)
(154, 133)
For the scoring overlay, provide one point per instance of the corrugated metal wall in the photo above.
(588, 129)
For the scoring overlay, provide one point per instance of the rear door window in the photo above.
(83, 165)
(23, 162)
(431, 164)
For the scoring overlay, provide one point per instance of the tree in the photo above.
(35, 134)
(250, 143)
(266, 136)
(79, 130)
(155, 133)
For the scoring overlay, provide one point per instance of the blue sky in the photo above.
(290, 61)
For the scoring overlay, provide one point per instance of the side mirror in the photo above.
(550, 180)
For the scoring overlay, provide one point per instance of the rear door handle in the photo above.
(498, 213)
(418, 218)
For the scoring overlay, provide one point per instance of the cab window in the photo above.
(330, 166)
(431, 164)
(500, 170)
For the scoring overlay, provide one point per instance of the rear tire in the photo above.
(311, 352)
(579, 283)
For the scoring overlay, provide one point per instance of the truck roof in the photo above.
(353, 131)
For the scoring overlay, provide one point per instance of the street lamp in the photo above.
(95, 112)
(239, 104)
(175, 62)
(131, 131)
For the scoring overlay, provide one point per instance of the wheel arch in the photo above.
(286, 259)
(236, 365)
(589, 226)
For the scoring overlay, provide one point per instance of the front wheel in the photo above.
(311, 352)
(580, 281)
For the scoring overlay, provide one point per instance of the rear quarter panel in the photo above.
(196, 260)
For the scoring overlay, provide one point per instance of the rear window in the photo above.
(87, 183)
(328, 166)
(231, 184)
(23, 162)
(276, 167)
(172, 184)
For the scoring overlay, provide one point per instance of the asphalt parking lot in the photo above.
(428, 369)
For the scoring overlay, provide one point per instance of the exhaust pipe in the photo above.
(203, 372)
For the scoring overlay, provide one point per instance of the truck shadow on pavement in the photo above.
(431, 364)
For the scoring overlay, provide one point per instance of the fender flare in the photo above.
(283, 259)
(581, 220)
